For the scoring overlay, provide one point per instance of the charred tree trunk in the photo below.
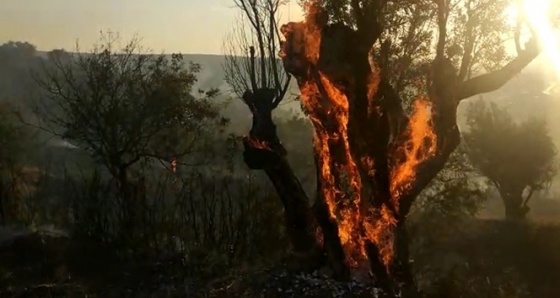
(263, 151)
(361, 164)
(372, 158)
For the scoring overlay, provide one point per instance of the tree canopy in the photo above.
(518, 158)
(381, 82)
(123, 105)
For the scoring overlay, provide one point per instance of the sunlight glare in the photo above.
(510, 14)
(537, 12)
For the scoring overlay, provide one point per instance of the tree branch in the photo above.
(529, 196)
(494, 80)
(468, 45)
(282, 92)
(442, 14)
(369, 25)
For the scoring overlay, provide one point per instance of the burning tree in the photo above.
(384, 114)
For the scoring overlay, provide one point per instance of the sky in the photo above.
(186, 26)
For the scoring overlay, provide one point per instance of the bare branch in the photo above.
(121, 105)
(442, 15)
(252, 60)
(468, 45)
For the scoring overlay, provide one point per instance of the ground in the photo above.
(35, 266)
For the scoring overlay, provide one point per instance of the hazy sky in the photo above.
(187, 26)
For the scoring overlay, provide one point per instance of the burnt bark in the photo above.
(363, 135)
(264, 151)
(343, 144)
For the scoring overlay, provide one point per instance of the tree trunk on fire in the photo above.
(372, 159)
(359, 179)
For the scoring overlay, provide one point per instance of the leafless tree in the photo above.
(255, 73)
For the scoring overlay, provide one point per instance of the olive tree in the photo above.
(382, 91)
(123, 106)
(518, 158)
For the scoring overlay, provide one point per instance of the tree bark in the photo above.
(263, 151)
(513, 205)
(372, 159)
(353, 110)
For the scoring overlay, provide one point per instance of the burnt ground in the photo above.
(483, 252)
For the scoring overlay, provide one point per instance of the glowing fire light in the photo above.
(537, 13)
(328, 108)
(420, 135)
(174, 165)
(258, 144)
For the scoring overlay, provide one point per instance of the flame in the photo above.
(355, 228)
(256, 143)
(421, 144)
(328, 108)
(312, 31)
(174, 165)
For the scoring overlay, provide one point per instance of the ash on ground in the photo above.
(281, 283)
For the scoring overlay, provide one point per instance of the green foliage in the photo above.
(513, 156)
(506, 151)
(454, 194)
(479, 25)
(474, 36)
(122, 105)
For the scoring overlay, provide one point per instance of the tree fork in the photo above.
(263, 151)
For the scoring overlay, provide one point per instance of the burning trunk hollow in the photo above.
(367, 149)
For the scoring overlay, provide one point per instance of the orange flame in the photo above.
(328, 108)
(174, 165)
(420, 145)
(256, 143)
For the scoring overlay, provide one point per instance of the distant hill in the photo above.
(530, 93)
(212, 76)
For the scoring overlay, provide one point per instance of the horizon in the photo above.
(59, 24)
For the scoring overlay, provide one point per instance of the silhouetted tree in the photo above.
(124, 106)
(14, 144)
(517, 158)
(17, 59)
(254, 71)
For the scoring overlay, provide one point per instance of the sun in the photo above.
(511, 14)
(538, 14)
